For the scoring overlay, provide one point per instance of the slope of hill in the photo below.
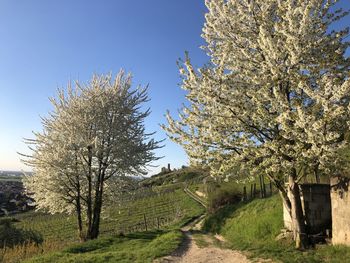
(184, 175)
(138, 247)
(253, 227)
(155, 215)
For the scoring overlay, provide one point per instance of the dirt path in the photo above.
(190, 252)
(200, 248)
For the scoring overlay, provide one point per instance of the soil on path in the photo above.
(190, 252)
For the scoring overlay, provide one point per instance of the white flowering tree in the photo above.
(274, 97)
(91, 141)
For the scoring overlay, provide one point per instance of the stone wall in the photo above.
(340, 211)
(316, 203)
(317, 207)
(287, 219)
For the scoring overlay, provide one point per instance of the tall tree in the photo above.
(274, 97)
(91, 141)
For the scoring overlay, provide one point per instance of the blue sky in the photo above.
(44, 44)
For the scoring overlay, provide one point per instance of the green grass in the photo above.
(56, 227)
(59, 231)
(253, 227)
(177, 178)
(10, 178)
(171, 209)
(137, 247)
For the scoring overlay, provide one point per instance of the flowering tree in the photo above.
(92, 140)
(274, 97)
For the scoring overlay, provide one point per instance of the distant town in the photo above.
(12, 195)
(13, 173)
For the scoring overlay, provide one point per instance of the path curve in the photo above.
(191, 253)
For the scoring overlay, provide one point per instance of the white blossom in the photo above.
(91, 141)
(274, 97)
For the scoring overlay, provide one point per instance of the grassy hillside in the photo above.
(186, 175)
(138, 247)
(10, 178)
(253, 227)
(170, 209)
(58, 227)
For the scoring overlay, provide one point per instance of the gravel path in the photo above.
(190, 252)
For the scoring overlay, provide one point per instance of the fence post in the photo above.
(144, 217)
(158, 222)
(244, 193)
(270, 188)
(261, 187)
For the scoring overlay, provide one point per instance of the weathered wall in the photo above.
(287, 219)
(340, 211)
(316, 204)
(317, 207)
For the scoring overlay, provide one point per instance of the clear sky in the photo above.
(44, 44)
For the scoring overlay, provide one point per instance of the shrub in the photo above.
(11, 236)
(222, 195)
(8, 220)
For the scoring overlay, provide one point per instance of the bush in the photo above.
(11, 236)
(222, 195)
(7, 221)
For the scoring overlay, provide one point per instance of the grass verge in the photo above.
(59, 232)
(253, 227)
(136, 247)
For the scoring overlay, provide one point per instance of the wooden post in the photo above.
(144, 217)
(158, 222)
(251, 191)
(254, 191)
(261, 187)
(244, 193)
(264, 186)
(270, 188)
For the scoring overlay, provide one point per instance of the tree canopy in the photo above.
(275, 95)
(92, 140)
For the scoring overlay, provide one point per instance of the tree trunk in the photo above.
(78, 202)
(95, 227)
(79, 220)
(89, 196)
(292, 202)
(89, 210)
(316, 173)
(296, 212)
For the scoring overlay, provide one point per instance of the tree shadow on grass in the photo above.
(148, 235)
(214, 222)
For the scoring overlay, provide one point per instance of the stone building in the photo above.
(340, 199)
(316, 203)
(326, 207)
(166, 169)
